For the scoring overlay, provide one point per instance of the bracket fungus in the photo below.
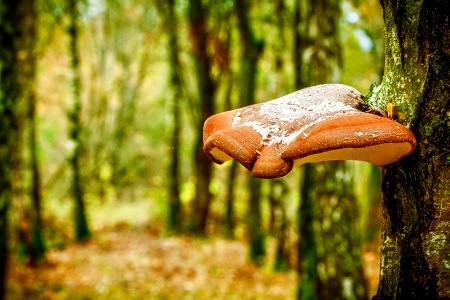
(320, 123)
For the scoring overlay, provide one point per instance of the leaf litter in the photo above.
(131, 263)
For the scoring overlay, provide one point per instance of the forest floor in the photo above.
(136, 261)
(135, 264)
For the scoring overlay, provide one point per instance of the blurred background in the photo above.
(113, 196)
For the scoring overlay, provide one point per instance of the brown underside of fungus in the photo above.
(319, 123)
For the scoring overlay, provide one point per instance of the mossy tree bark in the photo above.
(9, 91)
(82, 230)
(415, 251)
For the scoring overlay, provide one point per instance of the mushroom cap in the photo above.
(315, 124)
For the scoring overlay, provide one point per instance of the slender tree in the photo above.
(230, 222)
(279, 222)
(31, 212)
(171, 26)
(251, 52)
(206, 92)
(223, 57)
(278, 188)
(373, 217)
(9, 89)
(415, 216)
(82, 230)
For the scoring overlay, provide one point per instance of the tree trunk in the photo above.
(308, 284)
(299, 47)
(415, 251)
(9, 93)
(175, 206)
(279, 223)
(230, 222)
(330, 261)
(373, 216)
(31, 212)
(81, 226)
(252, 49)
(330, 257)
(206, 89)
(38, 240)
(171, 26)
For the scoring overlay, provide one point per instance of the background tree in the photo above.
(170, 20)
(82, 230)
(415, 225)
(206, 93)
(251, 51)
(279, 223)
(328, 209)
(29, 200)
(9, 89)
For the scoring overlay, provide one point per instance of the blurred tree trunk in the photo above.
(309, 282)
(30, 225)
(171, 26)
(278, 187)
(335, 270)
(206, 89)
(415, 250)
(230, 222)
(9, 87)
(279, 223)
(330, 260)
(375, 196)
(223, 54)
(299, 46)
(81, 226)
(252, 50)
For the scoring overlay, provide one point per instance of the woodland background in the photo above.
(113, 196)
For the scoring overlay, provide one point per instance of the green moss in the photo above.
(373, 98)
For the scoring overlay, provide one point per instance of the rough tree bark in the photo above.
(415, 251)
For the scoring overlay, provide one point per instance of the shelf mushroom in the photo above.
(320, 123)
